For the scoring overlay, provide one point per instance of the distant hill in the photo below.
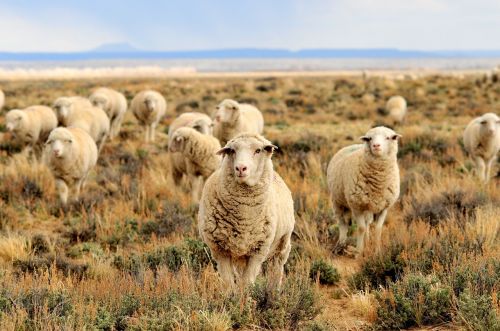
(115, 48)
(127, 51)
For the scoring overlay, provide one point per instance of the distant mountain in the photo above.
(115, 48)
(127, 51)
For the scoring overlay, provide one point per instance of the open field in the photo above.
(128, 255)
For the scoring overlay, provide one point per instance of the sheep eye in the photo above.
(483, 122)
(257, 151)
(69, 141)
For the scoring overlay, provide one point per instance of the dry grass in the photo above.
(122, 258)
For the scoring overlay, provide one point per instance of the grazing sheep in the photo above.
(396, 108)
(148, 108)
(199, 151)
(70, 154)
(363, 179)
(65, 105)
(246, 214)
(2, 99)
(114, 105)
(31, 126)
(232, 118)
(89, 118)
(198, 121)
(482, 142)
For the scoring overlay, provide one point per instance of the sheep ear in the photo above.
(224, 151)
(178, 139)
(270, 148)
(365, 138)
(397, 136)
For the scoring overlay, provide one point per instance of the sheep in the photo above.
(232, 118)
(95, 122)
(2, 99)
(148, 108)
(363, 179)
(198, 121)
(114, 105)
(31, 127)
(64, 105)
(482, 141)
(246, 214)
(199, 151)
(70, 154)
(396, 108)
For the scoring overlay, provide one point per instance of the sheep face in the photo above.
(15, 120)
(100, 101)
(59, 143)
(62, 108)
(202, 126)
(246, 157)
(227, 111)
(381, 141)
(150, 103)
(178, 141)
(489, 125)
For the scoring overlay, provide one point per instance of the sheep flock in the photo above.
(264, 185)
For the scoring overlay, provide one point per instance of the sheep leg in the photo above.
(278, 263)
(100, 145)
(343, 223)
(361, 219)
(481, 168)
(116, 125)
(225, 268)
(378, 227)
(152, 131)
(196, 188)
(489, 165)
(369, 221)
(62, 190)
(252, 269)
(146, 133)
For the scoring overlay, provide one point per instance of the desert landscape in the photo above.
(128, 256)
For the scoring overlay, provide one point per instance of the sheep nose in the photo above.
(241, 168)
(376, 145)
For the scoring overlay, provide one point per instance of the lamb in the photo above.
(149, 107)
(31, 126)
(199, 151)
(396, 107)
(232, 118)
(363, 179)
(114, 105)
(70, 154)
(64, 105)
(2, 99)
(482, 142)
(246, 214)
(198, 121)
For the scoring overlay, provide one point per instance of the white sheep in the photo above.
(482, 142)
(31, 126)
(363, 180)
(396, 108)
(232, 118)
(94, 121)
(70, 154)
(199, 150)
(65, 105)
(246, 214)
(114, 105)
(148, 108)
(198, 121)
(2, 99)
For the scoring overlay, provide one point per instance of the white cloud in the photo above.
(54, 30)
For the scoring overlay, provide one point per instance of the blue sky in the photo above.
(56, 25)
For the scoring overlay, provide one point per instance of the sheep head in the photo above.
(381, 142)
(246, 158)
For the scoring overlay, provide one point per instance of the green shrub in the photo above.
(415, 300)
(476, 312)
(324, 272)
